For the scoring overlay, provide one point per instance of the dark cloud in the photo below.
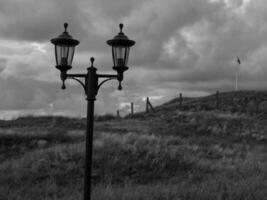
(37, 20)
(181, 46)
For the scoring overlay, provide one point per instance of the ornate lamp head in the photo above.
(120, 50)
(64, 50)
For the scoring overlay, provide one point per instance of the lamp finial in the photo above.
(65, 26)
(92, 59)
(121, 27)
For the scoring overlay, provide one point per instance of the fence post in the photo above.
(180, 99)
(132, 108)
(147, 100)
(217, 100)
(150, 105)
(118, 113)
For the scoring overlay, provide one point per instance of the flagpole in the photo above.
(236, 77)
(236, 73)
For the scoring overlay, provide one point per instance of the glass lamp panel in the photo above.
(58, 54)
(114, 56)
(120, 52)
(64, 51)
(71, 50)
(126, 56)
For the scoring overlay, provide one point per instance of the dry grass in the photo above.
(171, 154)
(133, 166)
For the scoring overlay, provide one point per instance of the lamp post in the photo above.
(64, 52)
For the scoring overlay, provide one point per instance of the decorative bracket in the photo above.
(106, 80)
(91, 79)
(79, 81)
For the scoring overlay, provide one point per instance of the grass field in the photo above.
(170, 154)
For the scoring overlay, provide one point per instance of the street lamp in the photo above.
(64, 52)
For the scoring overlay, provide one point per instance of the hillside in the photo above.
(200, 149)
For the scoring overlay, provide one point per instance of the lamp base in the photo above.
(63, 68)
(120, 69)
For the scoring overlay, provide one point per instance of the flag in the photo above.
(238, 60)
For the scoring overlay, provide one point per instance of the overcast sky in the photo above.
(187, 46)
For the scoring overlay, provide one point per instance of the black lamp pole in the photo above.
(64, 52)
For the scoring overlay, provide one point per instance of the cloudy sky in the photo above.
(187, 46)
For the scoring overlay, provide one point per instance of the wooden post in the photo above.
(118, 113)
(147, 100)
(180, 99)
(217, 100)
(148, 105)
(132, 108)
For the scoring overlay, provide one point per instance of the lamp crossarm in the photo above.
(112, 76)
(84, 83)
(76, 75)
